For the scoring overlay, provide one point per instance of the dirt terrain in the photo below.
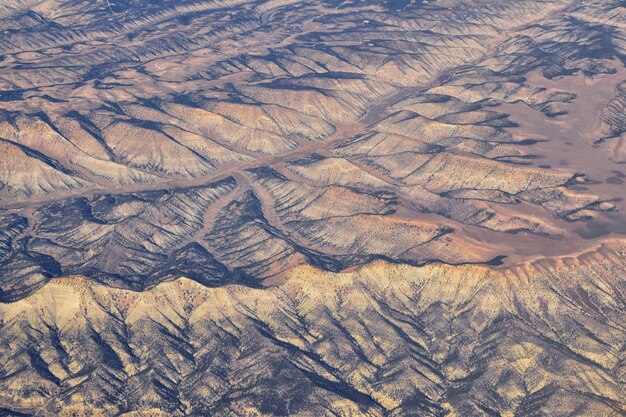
(348, 207)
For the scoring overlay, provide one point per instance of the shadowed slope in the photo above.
(386, 340)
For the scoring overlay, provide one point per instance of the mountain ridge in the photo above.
(291, 324)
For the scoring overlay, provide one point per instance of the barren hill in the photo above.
(312, 208)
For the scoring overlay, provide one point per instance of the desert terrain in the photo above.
(342, 208)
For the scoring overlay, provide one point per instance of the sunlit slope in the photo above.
(541, 338)
(361, 122)
(322, 208)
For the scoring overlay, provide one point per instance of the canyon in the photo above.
(342, 208)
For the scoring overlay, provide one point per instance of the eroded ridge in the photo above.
(145, 140)
(538, 338)
(312, 208)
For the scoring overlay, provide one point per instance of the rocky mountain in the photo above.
(541, 338)
(280, 207)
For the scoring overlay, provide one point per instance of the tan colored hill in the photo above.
(436, 124)
(540, 338)
(338, 207)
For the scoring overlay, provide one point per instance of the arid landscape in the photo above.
(323, 208)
